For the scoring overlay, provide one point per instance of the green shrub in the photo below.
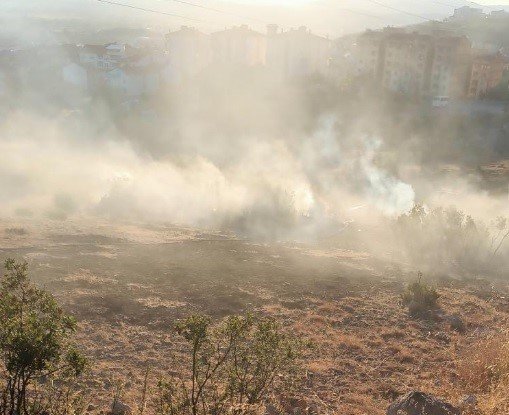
(233, 366)
(446, 239)
(35, 347)
(419, 297)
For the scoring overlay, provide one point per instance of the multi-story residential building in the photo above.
(467, 13)
(366, 53)
(189, 53)
(297, 53)
(76, 75)
(499, 14)
(133, 81)
(103, 56)
(450, 68)
(405, 61)
(416, 64)
(130, 71)
(488, 72)
(239, 46)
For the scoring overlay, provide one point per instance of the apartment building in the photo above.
(366, 53)
(450, 67)
(416, 64)
(297, 53)
(405, 62)
(239, 45)
(189, 53)
(103, 56)
(467, 13)
(488, 73)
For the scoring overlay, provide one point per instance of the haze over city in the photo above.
(331, 18)
(248, 207)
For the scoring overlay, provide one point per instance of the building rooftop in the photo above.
(185, 31)
(301, 32)
(238, 30)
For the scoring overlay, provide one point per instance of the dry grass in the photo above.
(484, 371)
(390, 333)
(497, 401)
(367, 349)
(349, 343)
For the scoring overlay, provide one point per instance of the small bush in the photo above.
(233, 366)
(420, 298)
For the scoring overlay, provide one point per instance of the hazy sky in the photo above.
(324, 17)
(487, 2)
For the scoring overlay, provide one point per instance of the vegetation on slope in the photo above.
(232, 366)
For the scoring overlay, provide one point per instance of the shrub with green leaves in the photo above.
(233, 366)
(35, 345)
(420, 298)
(445, 239)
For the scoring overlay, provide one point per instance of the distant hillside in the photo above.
(499, 7)
(485, 31)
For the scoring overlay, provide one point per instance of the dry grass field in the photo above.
(128, 284)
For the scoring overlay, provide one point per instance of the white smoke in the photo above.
(388, 194)
(48, 170)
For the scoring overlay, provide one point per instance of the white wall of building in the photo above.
(132, 83)
(298, 53)
(76, 75)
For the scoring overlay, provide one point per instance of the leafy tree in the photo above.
(34, 342)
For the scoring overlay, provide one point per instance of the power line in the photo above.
(399, 10)
(472, 3)
(246, 17)
(353, 11)
(483, 6)
(261, 21)
(445, 4)
(457, 6)
(129, 6)
(374, 16)
(188, 3)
